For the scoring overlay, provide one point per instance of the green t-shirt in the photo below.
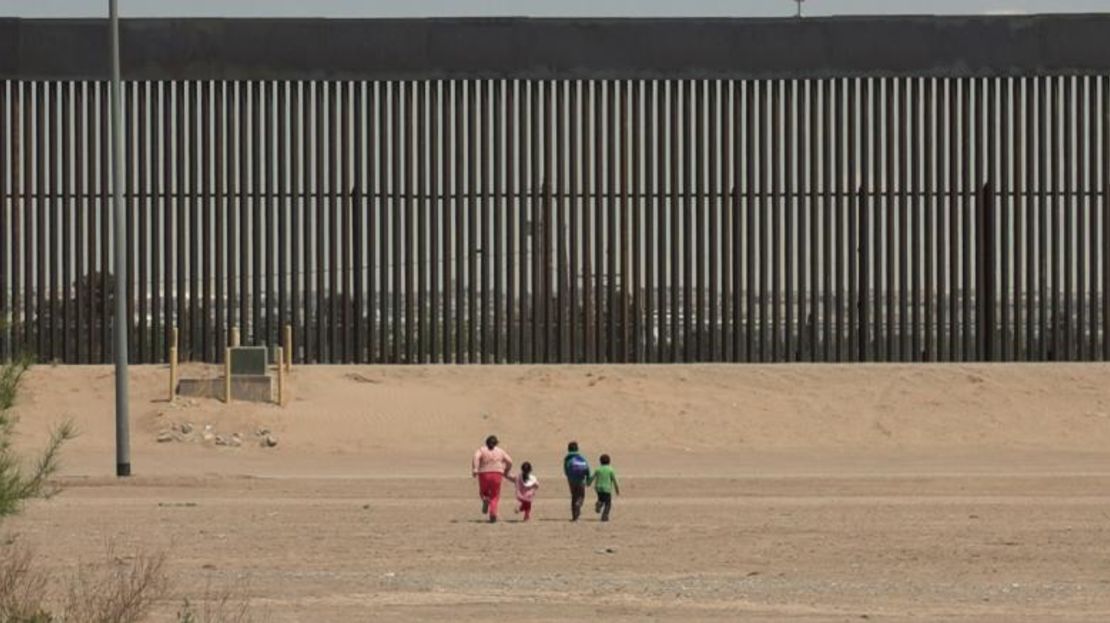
(604, 479)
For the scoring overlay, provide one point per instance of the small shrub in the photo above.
(10, 376)
(22, 587)
(215, 607)
(115, 590)
(16, 486)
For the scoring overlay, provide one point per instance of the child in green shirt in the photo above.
(604, 481)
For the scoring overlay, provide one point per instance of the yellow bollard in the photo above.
(173, 373)
(289, 348)
(281, 377)
(227, 375)
(173, 363)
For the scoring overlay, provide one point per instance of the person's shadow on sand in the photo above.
(516, 521)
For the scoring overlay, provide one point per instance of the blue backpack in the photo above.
(577, 467)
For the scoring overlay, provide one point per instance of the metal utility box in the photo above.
(249, 361)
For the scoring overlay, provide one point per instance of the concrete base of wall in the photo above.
(258, 388)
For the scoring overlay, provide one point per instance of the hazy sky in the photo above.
(539, 8)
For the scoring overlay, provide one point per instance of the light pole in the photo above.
(123, 434)
(799, 11)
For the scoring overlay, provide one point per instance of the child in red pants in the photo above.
(526, 485)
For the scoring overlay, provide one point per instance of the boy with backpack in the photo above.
(577, 471)
(604, 481)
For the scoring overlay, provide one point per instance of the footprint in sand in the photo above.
(359, 378)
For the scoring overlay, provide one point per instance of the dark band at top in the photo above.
(392, 49)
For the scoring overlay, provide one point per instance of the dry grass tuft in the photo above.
(116, 590)
(215, 607)
(22, 586)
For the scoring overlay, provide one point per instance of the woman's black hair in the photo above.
(491, 442)
(605, 459)
(572, 446)
(525, 469)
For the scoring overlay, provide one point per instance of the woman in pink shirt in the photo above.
(489, 466)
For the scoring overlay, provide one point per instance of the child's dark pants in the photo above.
(604, 504)
(577, 497)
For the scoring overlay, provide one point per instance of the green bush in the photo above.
(21, 586)
(109, 591)
(16, 484)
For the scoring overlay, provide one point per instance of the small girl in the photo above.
(526, 485)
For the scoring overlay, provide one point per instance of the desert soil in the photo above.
(799, 493)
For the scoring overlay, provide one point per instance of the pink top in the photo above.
(486, 460)
(525, 489)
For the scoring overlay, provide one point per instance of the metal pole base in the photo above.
(123, 470)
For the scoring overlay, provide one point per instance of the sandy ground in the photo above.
(800, 493)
